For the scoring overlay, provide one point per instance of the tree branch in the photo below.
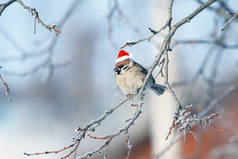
(5, 5)
(37, 18)
(168, 37)
(6, 87)
(212, 104)
(229, 21)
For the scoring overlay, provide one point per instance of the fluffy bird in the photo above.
(129, 76)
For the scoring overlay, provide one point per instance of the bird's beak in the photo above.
(115, 69)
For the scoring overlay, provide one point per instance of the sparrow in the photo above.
(129, 76)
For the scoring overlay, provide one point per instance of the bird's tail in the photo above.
(158, 89)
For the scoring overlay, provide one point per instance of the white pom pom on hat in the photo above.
(123, 55)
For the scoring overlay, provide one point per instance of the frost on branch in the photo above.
(6, 87)
(184, 121)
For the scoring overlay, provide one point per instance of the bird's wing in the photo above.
(143, 70)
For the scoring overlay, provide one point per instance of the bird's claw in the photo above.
(130, 96)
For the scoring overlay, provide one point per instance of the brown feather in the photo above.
(124, 62)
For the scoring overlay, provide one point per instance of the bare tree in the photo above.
(184, 119)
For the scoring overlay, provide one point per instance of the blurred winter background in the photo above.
(57, 87)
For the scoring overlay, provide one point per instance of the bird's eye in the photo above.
(125, 67)
(120, 66)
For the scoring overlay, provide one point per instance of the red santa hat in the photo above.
(123, 55)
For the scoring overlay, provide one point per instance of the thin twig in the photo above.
(123, 130)
(205, 42)
(166, 79)
(214, 102)
(129, 145)
(49, 50)
(200, 115)
(113, 10)
(6, 87)
(37, 18)
(169, 36)
(5, 5)
(144, 39)
(81, 133)
(50, 152)
(228, 22)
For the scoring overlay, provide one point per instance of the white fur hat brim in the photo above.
(124, 58)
